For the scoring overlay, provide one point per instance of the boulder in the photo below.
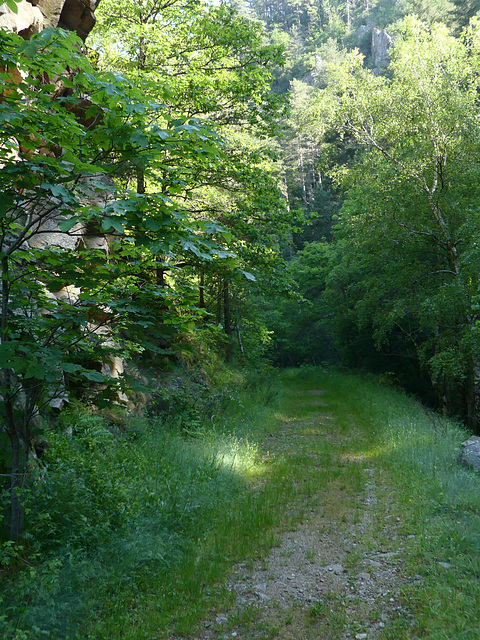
(78, 15)
(50, 234)
(470, 453)
(27, 20)
(68, 294)
(51, 10)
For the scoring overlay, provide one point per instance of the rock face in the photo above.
(35, 15)
(470, 454)
(381, 42)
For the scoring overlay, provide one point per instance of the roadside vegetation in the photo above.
(137, 524)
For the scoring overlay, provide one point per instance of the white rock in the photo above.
(27, 19)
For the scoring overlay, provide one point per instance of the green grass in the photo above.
(134, 530)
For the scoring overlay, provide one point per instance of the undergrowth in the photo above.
(127, 521)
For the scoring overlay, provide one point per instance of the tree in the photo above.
(410, 221)
(464, 10)
(211, 62)
(74, 241)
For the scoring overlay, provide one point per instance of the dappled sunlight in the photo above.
(281, 417)
(240, 458)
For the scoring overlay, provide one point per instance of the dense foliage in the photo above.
(380, 155)
(135, 211)
(243, 181)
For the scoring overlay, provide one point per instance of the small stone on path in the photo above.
(337, 569)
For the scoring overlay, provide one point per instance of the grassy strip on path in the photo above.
(436, 500)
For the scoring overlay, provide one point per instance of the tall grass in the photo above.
(127, 525)
(133, 528)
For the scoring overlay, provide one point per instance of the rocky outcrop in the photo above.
(381, 42)
(27, 20)
(470, 454)
(35, 15)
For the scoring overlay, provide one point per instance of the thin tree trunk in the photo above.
(227, 321)
(8, 394)
(17, 511)
(226, 309)
(219, 301)
(140, 181)
(201, 301)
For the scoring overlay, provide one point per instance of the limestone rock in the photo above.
(49, 234)
(470, 455)
(51, 10)
(78, 15)
(381, 42)
(35, 15)
(68, 294)
(28, 20)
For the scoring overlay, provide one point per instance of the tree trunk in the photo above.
(201, 301)
(218, 315)
(17, 511)
(140, 181)
(12, 428)
(472, 398)
(239, 338)
(226, 309)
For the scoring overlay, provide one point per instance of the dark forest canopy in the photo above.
(381, 157)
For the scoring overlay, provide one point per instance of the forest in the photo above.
(196, 197)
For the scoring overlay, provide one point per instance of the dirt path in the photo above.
(338, 575)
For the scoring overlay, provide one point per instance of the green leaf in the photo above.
(248, 276)
(66, 225)
(189, 246)
(12, 4)
(113, 223)
(36, 370)
(94, 376)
